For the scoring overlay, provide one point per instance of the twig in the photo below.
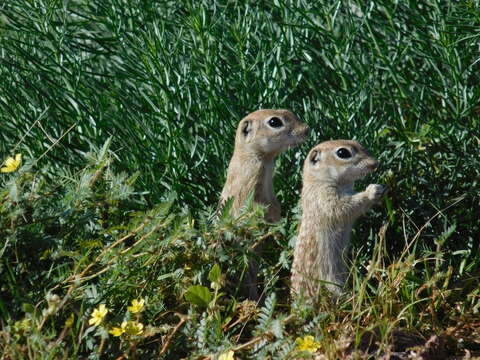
(56, 142)
(262, 239)
(251, 342)
(183, 319)
(419, 232)
(119, 241)
(142, 238)
(30, 128)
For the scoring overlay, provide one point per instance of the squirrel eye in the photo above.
(343, 153)
(275, 122)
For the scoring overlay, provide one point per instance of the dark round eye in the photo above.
(343, 153)
(275, 122)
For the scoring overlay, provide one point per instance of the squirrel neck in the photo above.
(255, 173)
(325, 187)
(247, 173)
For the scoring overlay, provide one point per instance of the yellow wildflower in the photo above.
(127, 327)
(69, 321)
(11, 164)
(117, 331)
(137, 306)
(307, 343)
(132, 327)
(227, 355)
(98, 315)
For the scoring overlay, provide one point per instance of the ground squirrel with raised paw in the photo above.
(330, 206)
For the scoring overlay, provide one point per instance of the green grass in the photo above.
(167, 82)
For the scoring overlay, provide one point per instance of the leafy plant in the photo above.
(124, 115)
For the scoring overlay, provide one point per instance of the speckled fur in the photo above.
(251, 167)
(330, 208)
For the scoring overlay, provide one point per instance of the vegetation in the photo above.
(124, 113)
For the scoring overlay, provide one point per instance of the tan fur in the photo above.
(250, 171)
(330, 207)
(256, 146)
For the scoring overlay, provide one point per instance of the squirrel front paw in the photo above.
(375, 191)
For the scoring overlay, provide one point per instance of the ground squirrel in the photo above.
(260, 137)
(330, 207)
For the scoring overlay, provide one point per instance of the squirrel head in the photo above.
(338, 161)
(269, 132)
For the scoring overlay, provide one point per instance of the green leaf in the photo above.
(14, 192)
(198, 295)
(104, 150)
(277, 328)
(215, 273)
(446, 234)
(28, 308)
(390, 210)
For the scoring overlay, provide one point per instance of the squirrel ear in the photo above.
(246, 127)
(315, 156)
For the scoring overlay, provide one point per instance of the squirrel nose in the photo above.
(303, 130)
(373, 164)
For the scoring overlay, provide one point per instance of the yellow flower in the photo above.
(132, 327)
(227, 355)
(127, 327)
(69, 321)
(137, 306)
(98, 315)
(307, 343)
(117, 331)
(11, 164)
